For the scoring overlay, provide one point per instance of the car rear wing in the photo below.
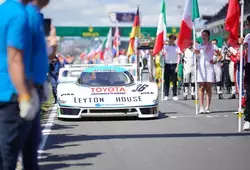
(71, 72)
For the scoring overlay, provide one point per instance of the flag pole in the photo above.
(118, 44)
(241, 67)
(162, 76)
(137, 51)
(195, 71)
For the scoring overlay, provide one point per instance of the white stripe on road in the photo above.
(47, 129)
(198, 116)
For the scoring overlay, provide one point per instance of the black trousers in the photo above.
(247, 85)
(12, 133)
(226, 82)
(170, 75)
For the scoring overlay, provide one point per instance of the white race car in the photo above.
(105, 90)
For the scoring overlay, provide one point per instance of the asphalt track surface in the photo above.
(177, 140)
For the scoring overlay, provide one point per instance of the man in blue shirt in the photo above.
(39, 69)
(17, 103)
(54, 69)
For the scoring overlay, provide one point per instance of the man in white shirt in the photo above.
(188, 70)
(171, 54)
(246, 43)
(123, 59)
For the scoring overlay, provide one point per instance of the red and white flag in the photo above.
(233, 21)
(117, 40)
(161, 31)
(191, 12)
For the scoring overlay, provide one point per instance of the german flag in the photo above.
(135, 33)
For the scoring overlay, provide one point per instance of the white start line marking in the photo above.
(198, 116)
(47, 129)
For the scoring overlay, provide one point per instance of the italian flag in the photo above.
(103, 49)
(191, 12)
(161, 31)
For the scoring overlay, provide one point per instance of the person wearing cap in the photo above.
(19, 101)
(246, 44)
(39, 69)
(171, 54)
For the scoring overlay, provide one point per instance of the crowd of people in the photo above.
(215, 66)
(218, 67)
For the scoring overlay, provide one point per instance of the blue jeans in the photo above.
(32, 142)
(11, 134)
(54, 86)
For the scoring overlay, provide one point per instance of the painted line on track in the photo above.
(47, 129)
(198, 116)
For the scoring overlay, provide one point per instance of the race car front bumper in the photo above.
(140, 112)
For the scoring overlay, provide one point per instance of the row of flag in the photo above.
(108, 49)
(191, 13)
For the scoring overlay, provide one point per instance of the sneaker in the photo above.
(220, 96)
(175, 98)
(232, 96)
(246, 126)
(165, 98)
(193, 97)
(201, 110)
(207, 111)
(185, 97)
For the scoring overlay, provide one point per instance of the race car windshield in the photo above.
(105, 78)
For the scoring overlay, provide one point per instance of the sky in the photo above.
(97, 12)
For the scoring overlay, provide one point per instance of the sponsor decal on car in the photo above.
(129, 99)
(107, 90)
(106, 70)
(108, 105)
(89, 100)
(140, 88)
(147, 93)
(98, 105)
(67, 94)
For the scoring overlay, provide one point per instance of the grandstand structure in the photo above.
(216, 22)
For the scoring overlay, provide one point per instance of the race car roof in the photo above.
(104, 69)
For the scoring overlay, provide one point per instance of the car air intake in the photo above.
(68, 111)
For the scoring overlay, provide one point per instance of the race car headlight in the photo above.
(156, 101)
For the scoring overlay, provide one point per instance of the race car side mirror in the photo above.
(79, 81)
